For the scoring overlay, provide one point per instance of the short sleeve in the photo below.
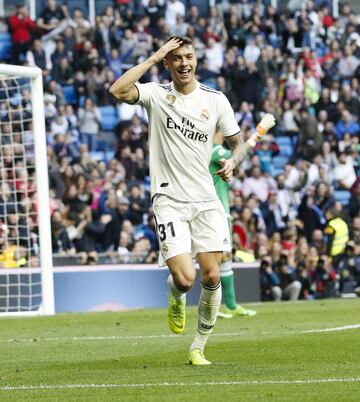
(226, 119)
(146, 94)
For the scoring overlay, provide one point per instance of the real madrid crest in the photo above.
(205, 115)
(171, 99)
(164, 248)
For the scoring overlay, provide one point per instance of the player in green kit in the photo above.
(219, 153)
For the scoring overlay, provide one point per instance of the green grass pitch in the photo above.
(281, 354)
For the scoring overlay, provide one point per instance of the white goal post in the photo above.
(26, 267)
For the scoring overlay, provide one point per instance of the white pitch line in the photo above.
(106, 338)
(165, 336)
(181, 384)
(344, 328)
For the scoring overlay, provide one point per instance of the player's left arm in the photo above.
(239, 149)
(228, 125)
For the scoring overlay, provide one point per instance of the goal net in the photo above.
(26, 275)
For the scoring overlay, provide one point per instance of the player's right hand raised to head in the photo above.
(168, 47)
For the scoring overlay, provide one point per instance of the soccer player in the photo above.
(191, 222)
(219, 152)
(232, 309)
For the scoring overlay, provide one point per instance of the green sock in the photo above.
(227, 283)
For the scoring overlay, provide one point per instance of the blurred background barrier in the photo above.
(112, 288)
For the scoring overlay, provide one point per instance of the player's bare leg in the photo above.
(209, 303)
(180, 280)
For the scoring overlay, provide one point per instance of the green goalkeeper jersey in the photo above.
(221, 186)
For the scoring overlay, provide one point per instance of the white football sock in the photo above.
(178, 294)
(209, 304)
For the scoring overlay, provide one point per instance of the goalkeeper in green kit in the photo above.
(219, 154)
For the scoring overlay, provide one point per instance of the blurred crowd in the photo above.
(294, 202)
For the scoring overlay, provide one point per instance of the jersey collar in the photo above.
(191, 94)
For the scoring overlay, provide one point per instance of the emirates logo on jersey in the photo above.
(205, 115)
(171, 99)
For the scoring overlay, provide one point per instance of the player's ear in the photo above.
(166, 62)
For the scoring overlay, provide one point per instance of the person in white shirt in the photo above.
(191, 222)
(344, 172)
(173, 8)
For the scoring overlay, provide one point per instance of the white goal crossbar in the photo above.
(34, 74)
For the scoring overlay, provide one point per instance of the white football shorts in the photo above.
(184, 227)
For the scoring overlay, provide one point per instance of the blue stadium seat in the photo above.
(109, 155)
(276, 171)
(109, 117)
(70, 94)
(280, 161)
(5, 37)
(97, 155)
(82, 100)
(286, 149)
(282, 140)
(5, 45)
(342, 196)
(5, 51)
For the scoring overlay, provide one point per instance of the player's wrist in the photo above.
(151, 60)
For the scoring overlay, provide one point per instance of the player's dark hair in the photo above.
(185, 40)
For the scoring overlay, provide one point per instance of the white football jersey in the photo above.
(181, 131)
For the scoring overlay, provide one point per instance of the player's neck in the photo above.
(186, 89)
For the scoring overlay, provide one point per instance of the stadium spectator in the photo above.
(349, 270)
(89, 121)
(173, 8)
(21, 27)
(62, 72)
(310, 140)
(344, 172)
(289, 286)
(347, 125)
(269, 281)
(60, 241)
(337, 235)
(258, 184)
(36, 56)
(325, 278)
(51, 17)
(299, 56)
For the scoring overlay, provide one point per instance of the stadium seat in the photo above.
(342, 196)
(100, 5)
(70, 94)
(109, 155)
(283, 140)
(97, 155)
(276, 171)
(5, 37)
(286, 150)
(280, 161)
(5, 45)
(109, 117)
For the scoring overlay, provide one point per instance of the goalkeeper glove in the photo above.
(267, 122)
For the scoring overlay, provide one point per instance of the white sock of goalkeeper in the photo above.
(178, 294)
(209, 304)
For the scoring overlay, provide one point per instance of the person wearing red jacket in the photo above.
(21, 26)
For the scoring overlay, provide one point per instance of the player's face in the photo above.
(181, 63)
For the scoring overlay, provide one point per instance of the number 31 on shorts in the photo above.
(163, 228)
